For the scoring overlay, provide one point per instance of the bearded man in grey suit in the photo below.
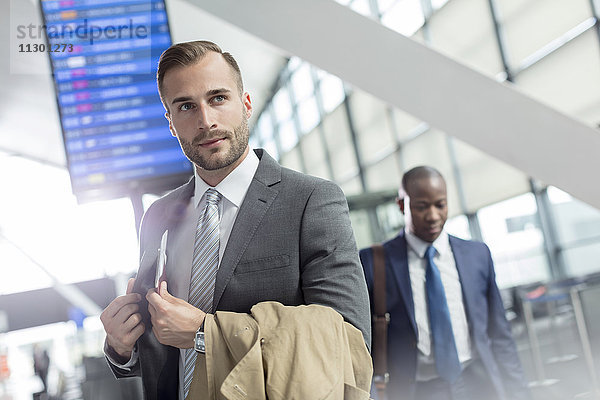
(282, 235)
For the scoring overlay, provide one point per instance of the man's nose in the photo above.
(206, 119)
(432, 214)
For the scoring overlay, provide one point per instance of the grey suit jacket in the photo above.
(292, 242)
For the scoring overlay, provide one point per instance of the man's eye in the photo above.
(219, 99)
(185, 106)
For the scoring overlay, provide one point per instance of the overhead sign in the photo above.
(104, 55)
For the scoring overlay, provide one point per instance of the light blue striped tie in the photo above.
(204, 270)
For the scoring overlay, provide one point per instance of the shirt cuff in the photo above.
(109, 353)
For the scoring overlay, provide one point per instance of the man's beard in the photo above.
(238, 143)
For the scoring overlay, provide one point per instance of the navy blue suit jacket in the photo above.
(489, 330)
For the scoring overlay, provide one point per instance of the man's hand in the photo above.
(174, 321)
(123, 323)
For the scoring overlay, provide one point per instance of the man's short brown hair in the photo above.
(188, 53)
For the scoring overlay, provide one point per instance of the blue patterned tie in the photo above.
(204, 271)
(444, 348)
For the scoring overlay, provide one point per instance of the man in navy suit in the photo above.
(441, 287)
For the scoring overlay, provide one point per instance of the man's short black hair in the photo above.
(416, 173)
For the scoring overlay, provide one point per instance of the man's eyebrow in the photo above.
(211, 92)
(181, 99)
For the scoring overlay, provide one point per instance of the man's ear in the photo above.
(247, 104)
(400, 202)
(171, 128)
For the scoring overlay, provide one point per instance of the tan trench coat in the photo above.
(282, 353)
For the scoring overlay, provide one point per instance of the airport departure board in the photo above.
(104, 55)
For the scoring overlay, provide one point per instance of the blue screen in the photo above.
(104, 55)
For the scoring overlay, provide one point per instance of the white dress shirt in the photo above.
(444, 260)
(180, 245)
(233, 190)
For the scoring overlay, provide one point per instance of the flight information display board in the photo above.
(104, 55)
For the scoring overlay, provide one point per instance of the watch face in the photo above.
(199, 345)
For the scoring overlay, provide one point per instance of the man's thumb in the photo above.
(130, 284)
(164, 293)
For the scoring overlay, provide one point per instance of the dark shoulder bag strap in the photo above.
(381, 319)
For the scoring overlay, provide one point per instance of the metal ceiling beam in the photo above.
(495, 117)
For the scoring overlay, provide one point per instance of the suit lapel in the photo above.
(397, 254)
(465, 275)
(175, 210)
(259, 198)
(168, 218)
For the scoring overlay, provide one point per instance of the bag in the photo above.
(381, 320)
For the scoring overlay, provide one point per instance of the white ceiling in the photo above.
(29, 123)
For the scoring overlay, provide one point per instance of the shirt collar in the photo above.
(418, 245)
(235, 185)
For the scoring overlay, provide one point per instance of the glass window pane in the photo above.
(339, 143)
(568, 79)
(281, 105)
(287, 136)
(302, 83)
(69, 240)
(385, 5)
(436, 4)
(477, 169)
(308, 115)
(557, 196)
(271, 148)
(373, 127)
(294, 63)
(458, 226)
(405, 124)
(384, 175)
(291, 160)
(319, 170)
(582, 259)
(390, 219)
(530, 25)
(332, 91)
(464, 30)
(361, 7)
(253, 142)
(362, 232)
(265, 127)
(575, 220)
(405, 17)
(352, 187)
(511, 231)
(315, 158)
(12, 279)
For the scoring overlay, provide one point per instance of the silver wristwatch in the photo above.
(199, 344)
